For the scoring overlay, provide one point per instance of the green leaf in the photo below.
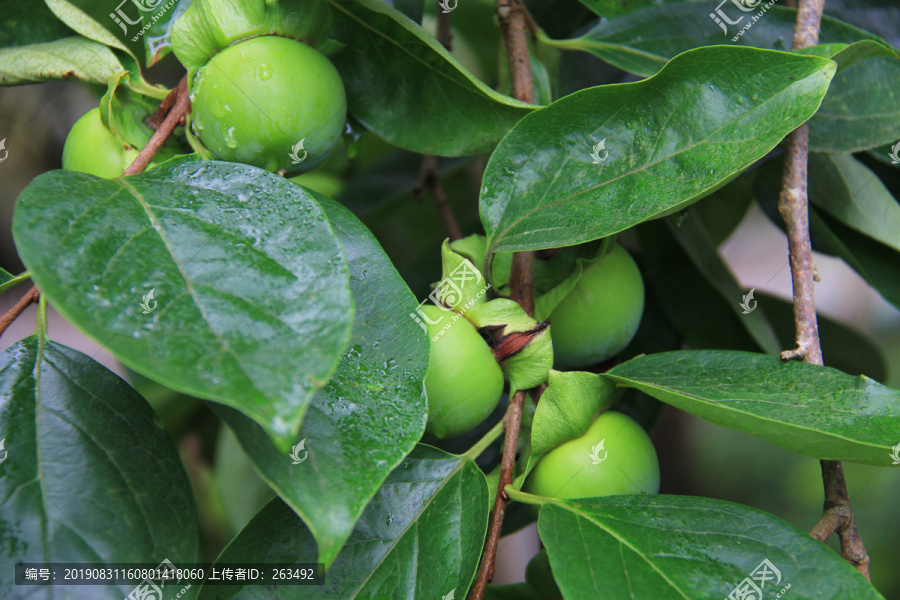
(643, 41)
(811, 410)
(433, 505)
(683, 547)
(844, 188)
(697, 243)
(395, 72)
(68, 58)
(614, 8)
(860, 110)
(89, 475)
(542, 188)
(373, 410)
(722, 211)
(36, 46)
(80, 16)
(254, 309)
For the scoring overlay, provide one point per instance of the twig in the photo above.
(179, 109)
(793, 204)
(430, 177)
(165, 106)
(513, 420)
(444, 35)
(513, 25)
(24, 302)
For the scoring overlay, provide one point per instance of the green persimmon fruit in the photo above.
(269, 101)
(464, 381)
(91, 148)
(600, 315)
(324, 183)
(614, 457)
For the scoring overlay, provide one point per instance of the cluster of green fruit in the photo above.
(594, 321)
(267, 101)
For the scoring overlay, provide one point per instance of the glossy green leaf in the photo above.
(85, 16)
(860, 110)
(671, 140)
(687, 548)
(433, 505)
(642, 42)
(404, 86)
(87, 475)
(373, 410)
(36, 46)
(697, 243)
(811, 410)
(722, 211)
(250, 303)
(614, 8)
(850, 192)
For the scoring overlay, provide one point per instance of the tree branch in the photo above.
(180, 107)
(513, 24)
(793, 204)
(430, 177)
(24, 302)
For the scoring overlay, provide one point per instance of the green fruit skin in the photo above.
(630, 467)
(598, 318)
(91, 148)
(464, 381)
(253, 101)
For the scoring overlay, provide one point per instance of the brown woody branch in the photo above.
(793, 204)
(179, 108)
(430, 178)
(513, 24)
(24, 302)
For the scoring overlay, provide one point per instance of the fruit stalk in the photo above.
(513, 24)
(793, 204)
(180, 108)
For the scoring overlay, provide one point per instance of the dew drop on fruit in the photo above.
(264, 70)
(229, 138)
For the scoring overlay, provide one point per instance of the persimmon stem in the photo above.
(793, 204)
